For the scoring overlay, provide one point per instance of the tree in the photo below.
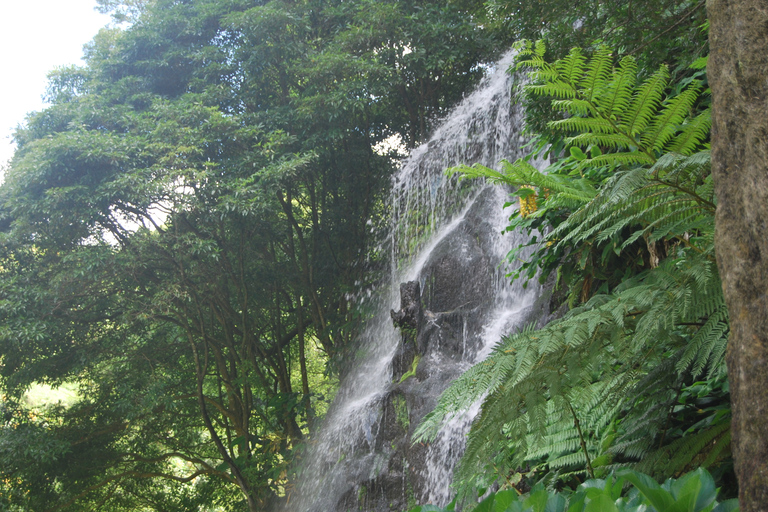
(655, 32)
(184, 223)
(168, 327)
(737, 74)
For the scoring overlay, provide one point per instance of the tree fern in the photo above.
(610, 383)
(604, 106)
(594, 358)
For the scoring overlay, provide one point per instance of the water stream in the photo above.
(445, 234)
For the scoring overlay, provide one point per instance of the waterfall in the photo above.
(446, 234)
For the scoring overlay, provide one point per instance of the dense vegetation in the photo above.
(185, 226)
(633, 374)
(182, 230)
(694, 492)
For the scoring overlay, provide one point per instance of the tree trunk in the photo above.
(738, 75)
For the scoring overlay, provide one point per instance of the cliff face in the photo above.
(446, 319)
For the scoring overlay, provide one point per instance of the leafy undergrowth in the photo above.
(693, 492)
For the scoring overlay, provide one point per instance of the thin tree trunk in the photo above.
(242, 482)
(738, 75)
(309, 412)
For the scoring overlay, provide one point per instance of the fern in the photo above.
(564, 192)
(705, 446)
(594, 358)
(672, 198)
(605, 107)
(629, 225)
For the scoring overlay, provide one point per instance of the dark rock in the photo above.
(410, 306)
(403, 360)
(409, 319)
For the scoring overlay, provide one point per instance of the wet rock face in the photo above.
(457, 288)
(409, 320)
(457, 278)
(440, 331)
(441, 323)
(458, 284)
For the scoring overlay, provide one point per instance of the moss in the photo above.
(362, 492)
(412, 371)
(401, 412)
(409, 333)
(409, 494)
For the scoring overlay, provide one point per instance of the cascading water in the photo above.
(445, 236)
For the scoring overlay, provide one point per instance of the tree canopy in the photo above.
(181, 232)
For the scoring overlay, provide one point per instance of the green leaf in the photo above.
(503, 500)
(700, 63)
(601, 503)
(556, 503)
(538, 500)
(660, 498)
(694, 491)
(577, 153)
(731, 505)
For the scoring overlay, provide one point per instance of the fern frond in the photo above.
(608, 109)
(479, 171)
(645, 102)
(685, 218)
(666, 123)
(612, 141)
(481, 379)
(571, 68)
(618, 159)
(693, 134)
(663, 202)
(574, 106)
(557, 89)
(597, 73)
(673, 166)
(679, 455)
(583, 124)
(705, 344)
(522, 173)
(614, 99)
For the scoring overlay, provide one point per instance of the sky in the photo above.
(37, 36)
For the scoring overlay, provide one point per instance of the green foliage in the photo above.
(401, 412)
(605, 365)
(607, 108)
(654, 31)
(628, 224)
(693, 492)
(190, 214)
(183, 229)
(412, 371)
(620, 124)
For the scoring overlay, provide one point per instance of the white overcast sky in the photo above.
(35, 37)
